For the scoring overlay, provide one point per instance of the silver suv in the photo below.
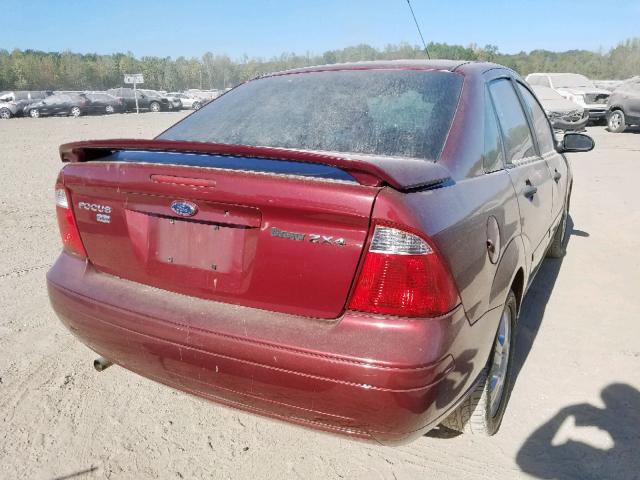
(624, 106)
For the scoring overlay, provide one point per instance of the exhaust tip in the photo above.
(101, 364)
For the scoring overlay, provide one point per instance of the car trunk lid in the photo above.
(270, 233)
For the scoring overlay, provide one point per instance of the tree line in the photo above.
(37, 70)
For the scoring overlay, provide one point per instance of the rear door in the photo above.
(48, 105)
(528, 171)
(63, 105)
(546, 146)
(278, 242)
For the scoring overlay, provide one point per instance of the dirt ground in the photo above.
(574, 410)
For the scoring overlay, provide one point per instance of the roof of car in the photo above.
(449, 65)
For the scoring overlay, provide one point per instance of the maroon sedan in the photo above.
(344, 247)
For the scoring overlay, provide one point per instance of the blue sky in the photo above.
(269, 27)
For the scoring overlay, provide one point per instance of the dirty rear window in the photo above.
(380, 112)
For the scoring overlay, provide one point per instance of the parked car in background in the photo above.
(173, 104)
(577, 88)
(8, 109)
(624, 106)
(186, 100)
(12, 108)
(102, 102)
(12, 103)
(564, 114)
(145, 102)
(58, 104)
(359, 271)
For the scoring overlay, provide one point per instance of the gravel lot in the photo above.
(574, 410)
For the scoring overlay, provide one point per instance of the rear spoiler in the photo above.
(398, 173)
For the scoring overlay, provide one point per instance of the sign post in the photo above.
(135, 79)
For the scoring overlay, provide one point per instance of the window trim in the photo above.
(489, 104)
(530, 119)
(507, 161)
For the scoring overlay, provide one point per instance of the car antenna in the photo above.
(419, 32)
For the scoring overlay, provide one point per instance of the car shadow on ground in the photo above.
(535, 302)
(587, 442)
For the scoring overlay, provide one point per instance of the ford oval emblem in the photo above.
(184, 208)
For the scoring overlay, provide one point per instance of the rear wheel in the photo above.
(616, 121)
(556, 249)
(482, 411)
(196, 105)
(154, 107)
(109, 109)
(34, 113)
(5, 113)
(75, 112)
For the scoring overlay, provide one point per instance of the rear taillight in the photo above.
(403, 275)
(71, 241)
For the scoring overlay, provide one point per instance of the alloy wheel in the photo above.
(615, 120)
(75, 112)
(35, 113)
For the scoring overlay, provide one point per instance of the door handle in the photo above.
(557, 176)
(529, 190)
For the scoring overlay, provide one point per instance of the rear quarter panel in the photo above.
(455, 217)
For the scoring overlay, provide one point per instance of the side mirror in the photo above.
(575, 142)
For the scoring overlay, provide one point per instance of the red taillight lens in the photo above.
(402, 275)
(71, 241)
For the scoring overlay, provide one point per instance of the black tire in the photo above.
(5, 113)
(474, 415)
(616, 121)
(154, 107)
(34, 113)
(196, 105)
(556, 248)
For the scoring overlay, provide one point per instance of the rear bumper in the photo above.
(369, 377)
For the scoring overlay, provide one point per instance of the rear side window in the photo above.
(493, 157)
(540, 122)
(515, 129)
(381, 112)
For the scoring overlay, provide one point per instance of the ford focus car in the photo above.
(344, 247)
